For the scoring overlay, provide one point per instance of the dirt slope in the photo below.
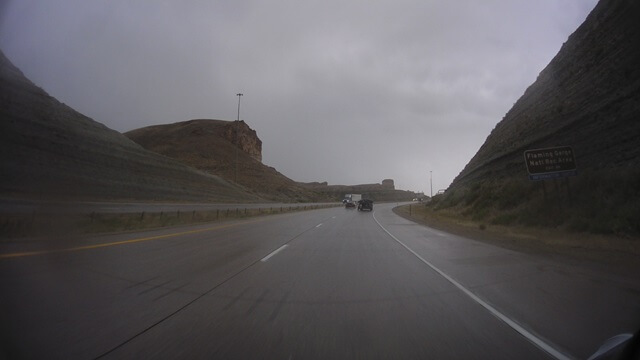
(50, 151)
(588, 97)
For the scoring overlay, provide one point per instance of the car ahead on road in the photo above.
(365, 204)
(349, 205)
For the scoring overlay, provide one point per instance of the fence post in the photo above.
(566, 180)
(558, 195)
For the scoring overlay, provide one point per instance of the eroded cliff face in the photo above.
(50, 151)
(241, 135)
(587, 98)
(388, 184)
(384, 191)
(229, 149)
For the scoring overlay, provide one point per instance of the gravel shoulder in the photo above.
(612, 253)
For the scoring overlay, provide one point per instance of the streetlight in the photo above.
(239, 95)
(431, 181)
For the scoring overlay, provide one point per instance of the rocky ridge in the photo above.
(229, 149)
(50, 151)
(588, 97)
(385, 191)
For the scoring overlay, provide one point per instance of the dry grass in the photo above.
(609, 249)
(602, 202)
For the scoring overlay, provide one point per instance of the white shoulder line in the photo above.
(524, 332)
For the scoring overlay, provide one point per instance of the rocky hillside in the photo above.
(214, 146)
(384, 191)
(50, 151)
(588, 97)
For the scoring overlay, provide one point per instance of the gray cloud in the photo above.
(343, 91)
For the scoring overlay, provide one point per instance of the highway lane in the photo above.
(569, 303)
(333, 284)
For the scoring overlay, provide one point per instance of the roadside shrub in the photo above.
(603, 201)
(447, 200)
(513, 193)
(505, 219)
(479, 214)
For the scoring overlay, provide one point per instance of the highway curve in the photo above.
(324, 284)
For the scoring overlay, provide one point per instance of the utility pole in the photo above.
(239, 95)
(431, 181)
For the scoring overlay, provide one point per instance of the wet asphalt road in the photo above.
(323, 284)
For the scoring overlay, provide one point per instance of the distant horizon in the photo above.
(355, 93)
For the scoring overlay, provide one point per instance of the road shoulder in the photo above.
(610, 252)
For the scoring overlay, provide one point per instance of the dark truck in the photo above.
(365, 204)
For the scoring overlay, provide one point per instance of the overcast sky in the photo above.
(344, 91)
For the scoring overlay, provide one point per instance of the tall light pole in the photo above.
(431, 181)
(239, 95)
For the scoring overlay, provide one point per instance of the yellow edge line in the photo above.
(124, 242)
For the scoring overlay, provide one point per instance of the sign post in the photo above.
(550, 163)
